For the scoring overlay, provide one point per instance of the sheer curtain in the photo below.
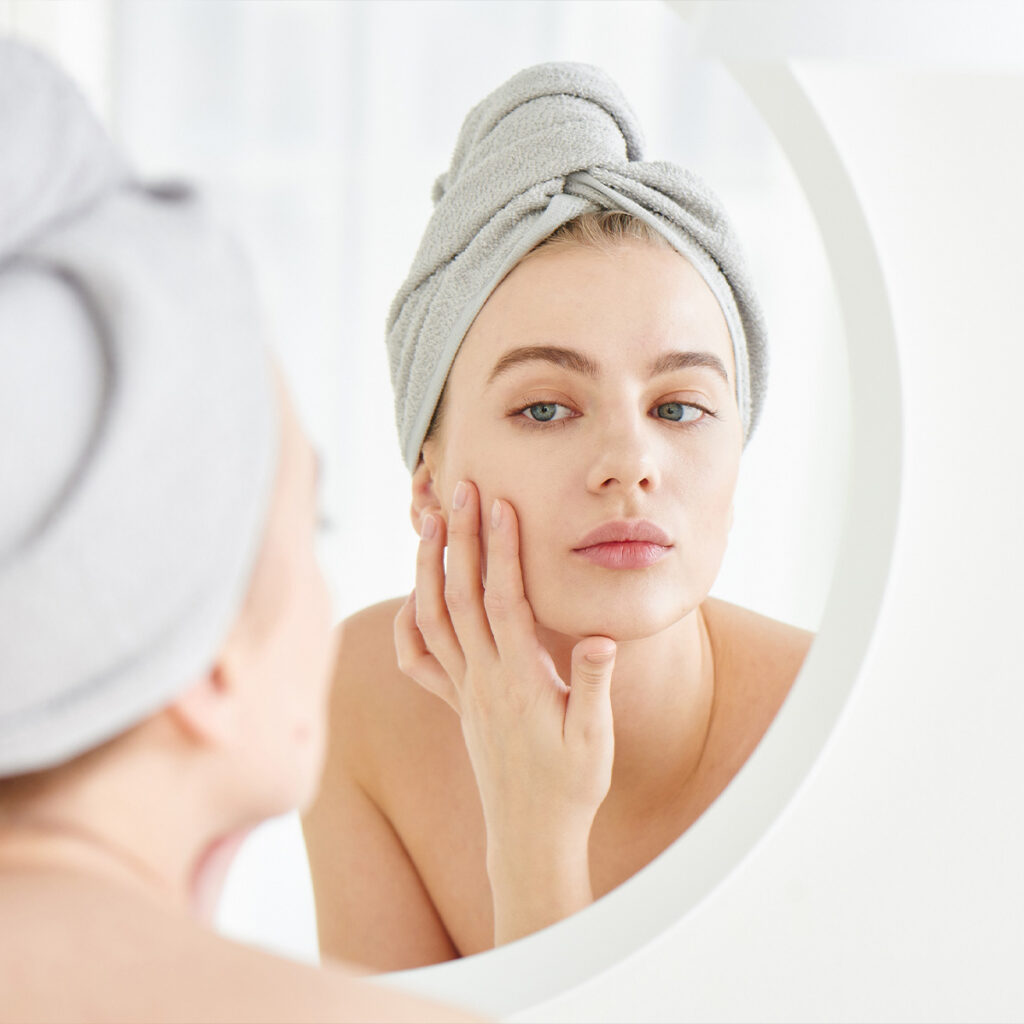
(318, 129)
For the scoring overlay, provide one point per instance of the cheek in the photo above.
(304, 659)
(707, 496)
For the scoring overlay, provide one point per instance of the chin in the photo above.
(619, 620)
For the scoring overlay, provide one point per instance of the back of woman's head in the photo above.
(140, 429)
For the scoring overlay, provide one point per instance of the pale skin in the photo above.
(110, 866)
(487, 778)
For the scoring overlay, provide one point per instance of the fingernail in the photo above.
(428, 529)
(496, 514)
(459, 497)
(600, 657)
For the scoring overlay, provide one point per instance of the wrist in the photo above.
(532, 891)
(535, 852)
(537, 863)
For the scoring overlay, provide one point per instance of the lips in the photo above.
(625, 544)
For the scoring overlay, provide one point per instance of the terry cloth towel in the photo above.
(553, 142)
(138, 430)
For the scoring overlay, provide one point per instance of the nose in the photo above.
(624, 459)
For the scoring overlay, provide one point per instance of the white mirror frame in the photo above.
(513, 977)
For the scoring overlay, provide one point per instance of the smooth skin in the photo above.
(110, 866)
(489, 778)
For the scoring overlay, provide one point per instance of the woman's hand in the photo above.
(541, 750)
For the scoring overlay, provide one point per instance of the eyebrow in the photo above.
(567, 358)
(686, 360)
(577, 362)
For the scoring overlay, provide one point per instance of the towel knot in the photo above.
(554, 142)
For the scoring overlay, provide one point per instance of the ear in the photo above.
(208, 711)
(424, 494)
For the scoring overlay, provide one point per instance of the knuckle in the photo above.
(461, 524)
(426, 621)
(457, 597)
(500, 602)
(409, 663)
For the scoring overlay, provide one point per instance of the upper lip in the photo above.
(624, 531)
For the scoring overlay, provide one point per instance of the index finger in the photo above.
(508, 611)
(463, 590)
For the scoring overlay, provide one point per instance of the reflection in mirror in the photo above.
(560, 698)
(328, 163)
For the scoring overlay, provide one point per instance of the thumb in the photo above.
(593, 660)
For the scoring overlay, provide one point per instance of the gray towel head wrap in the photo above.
(138, 430)
(554, 142)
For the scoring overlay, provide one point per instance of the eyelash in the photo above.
(548, 424)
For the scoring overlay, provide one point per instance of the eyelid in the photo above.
(520, 412)
(522, 400)
(697, 399)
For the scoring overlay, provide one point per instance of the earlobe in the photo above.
(424, 496)
(207, 711)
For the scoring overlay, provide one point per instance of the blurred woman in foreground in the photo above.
(165, 643)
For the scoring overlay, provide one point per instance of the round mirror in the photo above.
(320, 130)
(514, 977)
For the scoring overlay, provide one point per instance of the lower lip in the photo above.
(624, 554)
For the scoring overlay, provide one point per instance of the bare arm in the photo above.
(541, 749)
(372, 906)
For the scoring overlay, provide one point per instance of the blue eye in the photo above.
(679, 412)
(547, 412)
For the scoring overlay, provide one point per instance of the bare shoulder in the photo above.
(122, 957)
(333, 992)
(373, 822)
(258, 986)
(757, 659)
(364, 634)
(366, 652)
(375, 707)
(749, 638)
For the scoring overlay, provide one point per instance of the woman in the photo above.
(165, 643)
(578, 361)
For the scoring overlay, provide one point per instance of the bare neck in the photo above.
(663, 692)
(125, 825)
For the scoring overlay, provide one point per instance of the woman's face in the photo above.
(595, 388)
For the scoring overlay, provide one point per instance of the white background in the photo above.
(890, 888)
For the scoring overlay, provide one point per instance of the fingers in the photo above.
(463, 589)
(415, 660)
(508, 612)
(590, 707)
(431, 612)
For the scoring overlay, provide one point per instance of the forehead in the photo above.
(622, 306)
